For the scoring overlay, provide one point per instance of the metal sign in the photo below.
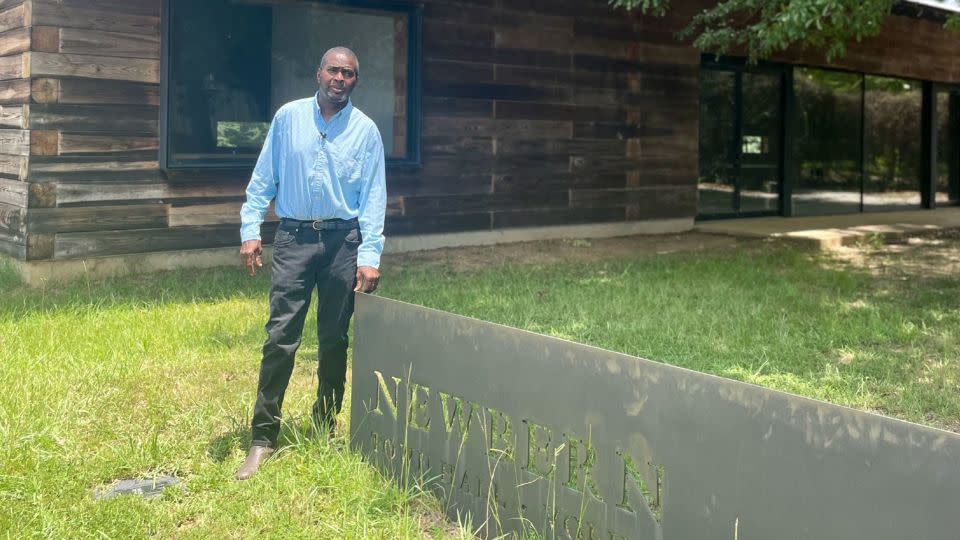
(523, 432)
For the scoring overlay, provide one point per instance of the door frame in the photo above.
(739, 66)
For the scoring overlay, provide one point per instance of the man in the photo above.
(323, 162)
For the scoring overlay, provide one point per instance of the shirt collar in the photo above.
(342, 112)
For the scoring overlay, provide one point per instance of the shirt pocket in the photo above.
(349, 168)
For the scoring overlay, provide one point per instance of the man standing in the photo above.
(323, 162)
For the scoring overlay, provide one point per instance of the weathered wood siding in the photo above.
(535, 112)
(907, 47)
(14, 136)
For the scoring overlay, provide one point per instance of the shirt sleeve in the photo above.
(373, 203)
(263, 184)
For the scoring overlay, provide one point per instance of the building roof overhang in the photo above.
(951, 6)
(932, 10)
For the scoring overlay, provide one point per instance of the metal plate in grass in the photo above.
(148, 488)
(525, 431)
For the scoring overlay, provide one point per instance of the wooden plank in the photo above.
(78, 143)
(16, 66)
(654, 202)
(433, 224)
(549, 111)
(15, 41)
(94, 244)
(556, 216)
(44, 38)
(15, 141)
(92, 66)
(423, 184)
(39, 247)
(15, 91)
(554, 39)
(13, 248)
(483, 202)
(14, 166)
(104, 16)
(14, 192)
(13, 222)
(134, 167)
(516, 57)
(95, 42)
(134, 7)
(14, 116)
(94, 92)
(497, 91)
(510, 146)
(212, 214)
(495, 128)
(438, 33)
(455, 146)
(97, 218)
(4, 4)
(15, 17)
(441, 70)
(42, 195)
(44, 142)
(99, 192)
(512, 183)
(448, 107)
(486, 15)
(112, 119)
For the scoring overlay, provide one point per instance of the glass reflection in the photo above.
(760, 146)
(828, 142)
(717, 156)
(892, 144)
(948, 147)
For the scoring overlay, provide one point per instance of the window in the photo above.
(829, 137)
(230, 64)
(892, 151)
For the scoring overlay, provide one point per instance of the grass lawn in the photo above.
(156, 374)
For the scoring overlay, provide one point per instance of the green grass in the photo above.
(156, 375)
(774, 316)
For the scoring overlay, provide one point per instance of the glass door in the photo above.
(760, 143)
(741, 150)
(948, 146)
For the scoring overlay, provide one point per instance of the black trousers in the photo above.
(304, 259)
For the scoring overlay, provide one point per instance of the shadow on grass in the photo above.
(294, 432)
(223, 446)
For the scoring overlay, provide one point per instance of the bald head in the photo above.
(336, 52)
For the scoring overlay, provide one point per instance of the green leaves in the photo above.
(760, 29)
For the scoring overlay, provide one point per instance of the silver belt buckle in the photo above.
(316, 224)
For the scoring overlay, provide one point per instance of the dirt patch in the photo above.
(547, 252)
(919, 256)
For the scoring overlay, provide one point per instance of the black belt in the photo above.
(322, 224)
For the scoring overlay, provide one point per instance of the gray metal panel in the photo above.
(676, 454)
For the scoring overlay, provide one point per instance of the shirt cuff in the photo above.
(368, 259)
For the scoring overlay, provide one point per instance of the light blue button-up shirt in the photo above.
(321, 170)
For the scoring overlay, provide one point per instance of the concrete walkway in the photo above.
(828, 232)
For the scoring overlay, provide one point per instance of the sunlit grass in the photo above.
(156, 375)
(772, 315)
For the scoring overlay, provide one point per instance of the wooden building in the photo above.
(128, 128)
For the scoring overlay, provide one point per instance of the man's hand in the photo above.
(368, 278)
(251, 253)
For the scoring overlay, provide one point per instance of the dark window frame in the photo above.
(738, 66)
(789, 160)
(414, 11)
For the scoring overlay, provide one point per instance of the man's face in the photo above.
(337, 77)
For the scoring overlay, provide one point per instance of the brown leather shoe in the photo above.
(257, 455)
